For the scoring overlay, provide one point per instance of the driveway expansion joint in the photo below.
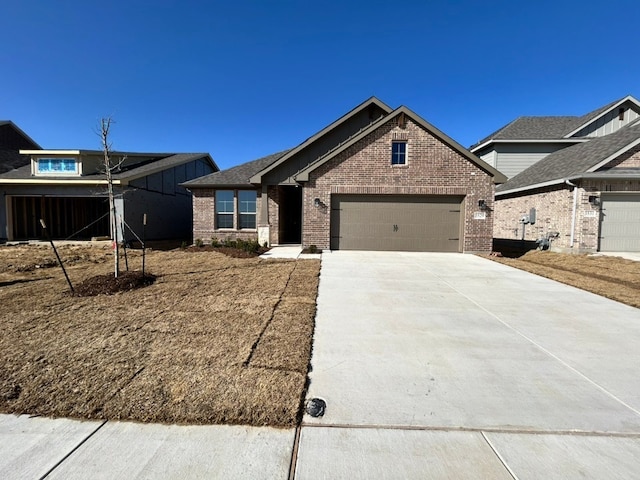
(522, 431)
(72, 451)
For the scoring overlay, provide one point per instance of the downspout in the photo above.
(573, 213)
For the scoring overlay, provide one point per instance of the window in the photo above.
(57, 166)
(247, 208)
(224, 208)
(398, 153)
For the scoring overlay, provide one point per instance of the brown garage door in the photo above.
(396, 222)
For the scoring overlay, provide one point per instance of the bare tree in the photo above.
(110, 166)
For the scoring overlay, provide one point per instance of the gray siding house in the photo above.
(527, 140)
(68, 189)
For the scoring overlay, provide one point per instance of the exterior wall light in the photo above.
(317, 202)
(594, 200)
(482, 205)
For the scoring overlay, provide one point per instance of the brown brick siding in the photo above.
(554, 210)
(204, 218)
(273, 195)
(433, 168)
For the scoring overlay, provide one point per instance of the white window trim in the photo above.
(406, 154)
(35, 164)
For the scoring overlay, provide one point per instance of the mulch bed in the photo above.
(228, 251)
(109, 284)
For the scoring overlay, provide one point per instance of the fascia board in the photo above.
(524, 140)
(531, 187)
(44, 181)
(614, 155)
(613, 107)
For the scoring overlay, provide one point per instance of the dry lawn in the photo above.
(612, 277)
(214, 340)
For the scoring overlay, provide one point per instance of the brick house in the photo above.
(586, 197)
(375, 179)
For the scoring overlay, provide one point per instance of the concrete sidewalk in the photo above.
(432, 366)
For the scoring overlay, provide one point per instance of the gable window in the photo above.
(57, 166)
(398, 153)
(224, 208)
(247, 209)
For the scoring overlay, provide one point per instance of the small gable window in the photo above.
(57, 166)
(398, 153)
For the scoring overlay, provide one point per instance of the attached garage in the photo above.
(620, 223)
(418, 223)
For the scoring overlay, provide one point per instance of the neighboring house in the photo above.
(375, 179)
(12, 140)
(68, 189)
(526, 140)
(588, 195)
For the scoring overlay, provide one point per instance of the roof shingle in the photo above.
(235, 176)
(574, 160)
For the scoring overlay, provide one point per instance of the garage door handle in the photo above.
(395, 228)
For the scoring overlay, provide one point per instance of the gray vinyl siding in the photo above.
(489, 157)
(609, 123)
(512, 159)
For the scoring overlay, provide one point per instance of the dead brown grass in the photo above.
(214, 340)
(612, 277)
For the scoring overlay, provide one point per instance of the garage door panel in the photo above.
(620, 223)
(393, 222)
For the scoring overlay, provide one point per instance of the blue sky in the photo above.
(245, 79)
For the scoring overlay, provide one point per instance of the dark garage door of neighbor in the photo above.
(396, 222)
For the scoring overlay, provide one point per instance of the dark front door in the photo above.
(290, 215)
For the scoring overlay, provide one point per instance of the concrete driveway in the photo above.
(453, 366)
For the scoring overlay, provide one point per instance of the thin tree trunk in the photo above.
(105, 125)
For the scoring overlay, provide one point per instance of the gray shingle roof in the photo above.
(235, 176)
(544, 128)
(574, 160)
(10, 160)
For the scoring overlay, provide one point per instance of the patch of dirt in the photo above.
(215, 339)
(108, 284)
(612, 277)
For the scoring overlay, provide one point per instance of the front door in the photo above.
(290, 214)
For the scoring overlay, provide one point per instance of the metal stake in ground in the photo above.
(44, 228)
(144, 224)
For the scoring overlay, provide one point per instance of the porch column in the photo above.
(263, 222)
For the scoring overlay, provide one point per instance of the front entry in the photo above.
(290, 214)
